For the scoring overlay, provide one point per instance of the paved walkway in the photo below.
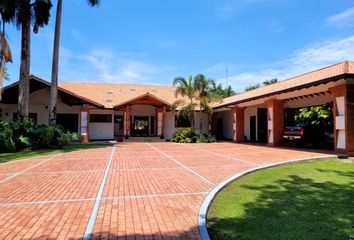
(130, 191)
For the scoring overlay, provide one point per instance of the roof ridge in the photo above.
(124, 84)
(345, 70)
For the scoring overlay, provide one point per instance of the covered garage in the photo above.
(262, 115)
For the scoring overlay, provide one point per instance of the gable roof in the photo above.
(111, 95)
(324, 75)
(10, 92)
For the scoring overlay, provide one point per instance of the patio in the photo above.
(129, 191)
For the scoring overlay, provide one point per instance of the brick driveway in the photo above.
(130, 191)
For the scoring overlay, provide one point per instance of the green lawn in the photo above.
(7, 157)
(300, 201)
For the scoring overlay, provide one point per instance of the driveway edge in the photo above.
(212, 194)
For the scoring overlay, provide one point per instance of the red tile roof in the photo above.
(310, 78)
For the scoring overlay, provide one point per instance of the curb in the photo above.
(203, 211)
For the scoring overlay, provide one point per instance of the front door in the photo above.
(141, 126)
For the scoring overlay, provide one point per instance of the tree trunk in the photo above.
(23, 89)
(55, 67)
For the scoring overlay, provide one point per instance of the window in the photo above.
(182, 122)
(70, 122)
(102, 118)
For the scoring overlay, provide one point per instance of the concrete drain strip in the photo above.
(92, 220)
(181, 164)
(27, 169)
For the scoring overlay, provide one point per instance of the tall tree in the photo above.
(270, 82)
(252, 87)
(5, 54)
(185, 88)
(199, 92)
(55, 63)
(221, 91)
(23, 13)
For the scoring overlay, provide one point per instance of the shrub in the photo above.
(17, 135)
(185, 135)
(191, 135)
(206, 138)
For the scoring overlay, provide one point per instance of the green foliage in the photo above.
(17, 135)
(316, 115)
(206, 138)
(316, 120)
(252, 87)
(191, 135)
(6, 134)
(270, 82)
(221, 91)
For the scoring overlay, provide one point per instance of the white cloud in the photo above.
(104, 65)
(302, 61)
(342, 19)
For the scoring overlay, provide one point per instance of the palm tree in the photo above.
(252, 87)
(5, 56)
(199, 92)
(204, 93)
(270, 82)
(185, 88)
(23, 13)
(55, 63)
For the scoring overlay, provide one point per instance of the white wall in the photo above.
(101, 131)
(201, 120)
(227, 122)
(250, 111)
(38, 103)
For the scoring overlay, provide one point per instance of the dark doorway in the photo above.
(220, 128)
(262, 125)
(118, 126)
(253, 128)
(141, 127)
(70, 122)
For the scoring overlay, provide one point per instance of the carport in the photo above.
(260, 115)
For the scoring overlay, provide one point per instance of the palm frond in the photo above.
(93, 2)
(5, 48)
(180, 81)
(178, 103)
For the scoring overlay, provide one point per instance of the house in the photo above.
(100, 111)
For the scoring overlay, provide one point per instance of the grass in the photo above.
(8, 157)
(300, 201)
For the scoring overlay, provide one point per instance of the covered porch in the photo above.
(143, 116)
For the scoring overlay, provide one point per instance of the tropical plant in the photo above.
(270, 82)
(317, 121)
(22, 13)
(252, 87)
(199, 92)
(204, 94)
(17, 135)
(185, 88)
(221, 91)
(5, 51)
(55, 63)
(191, 135)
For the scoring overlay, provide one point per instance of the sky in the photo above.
(152, 42)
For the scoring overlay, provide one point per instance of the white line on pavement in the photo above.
(181, 164)
(225, 156)
(25, 170)
(92, 220)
